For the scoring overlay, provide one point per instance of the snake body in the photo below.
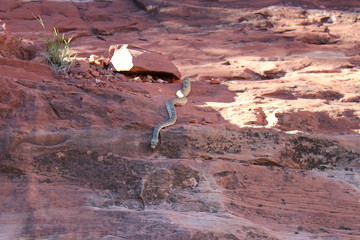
(170, 107)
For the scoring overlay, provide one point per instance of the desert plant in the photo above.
(57, 54)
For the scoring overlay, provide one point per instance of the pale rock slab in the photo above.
(129, 58)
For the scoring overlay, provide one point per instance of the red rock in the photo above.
(273, 73)
(318, 38)
(95, 73)
(75, 70)
(215, 81)
(98, 61)
(351, 98)
(128, 58)
(93, 58)
(260, 118)
(84, 65)
(75, 152)
(281, 94)
(11, 46)
(250, 74)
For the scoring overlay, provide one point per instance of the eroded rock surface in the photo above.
(266, 148)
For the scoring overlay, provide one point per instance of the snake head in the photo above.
(154, 143)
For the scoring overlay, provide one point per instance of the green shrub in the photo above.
(57, 54)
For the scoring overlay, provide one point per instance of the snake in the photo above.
(170, 107)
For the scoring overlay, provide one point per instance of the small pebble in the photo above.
(160, 80)
(93, 58)
(214, 81)
(95, 73)
(137, 79)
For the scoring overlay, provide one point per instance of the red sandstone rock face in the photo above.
(271, 151)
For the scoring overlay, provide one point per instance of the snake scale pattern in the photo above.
(170, 107)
